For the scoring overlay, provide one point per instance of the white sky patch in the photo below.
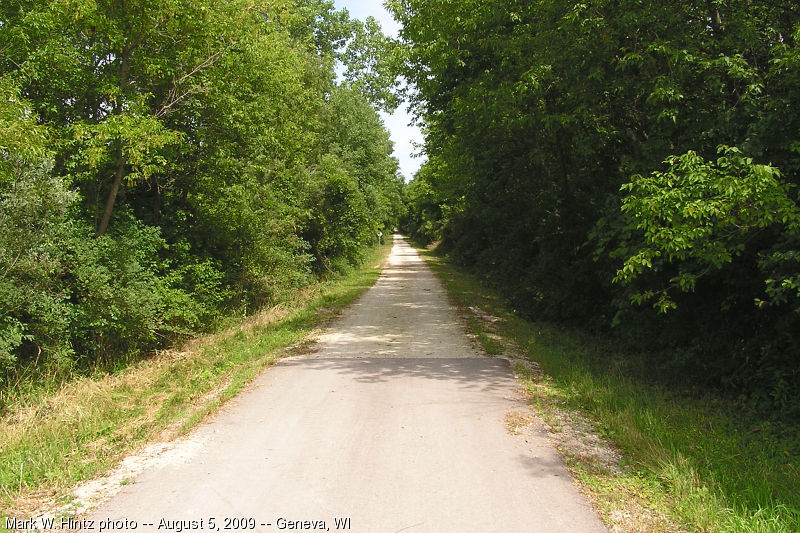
(403, 135)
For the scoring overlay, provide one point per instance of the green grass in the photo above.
(50, 440)
(693, 462)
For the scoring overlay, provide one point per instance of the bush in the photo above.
(34, 313)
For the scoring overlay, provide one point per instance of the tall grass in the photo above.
(706, 462)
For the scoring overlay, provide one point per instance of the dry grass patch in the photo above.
(518, 422)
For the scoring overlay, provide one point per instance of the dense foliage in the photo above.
(164, 163)
(623, 163)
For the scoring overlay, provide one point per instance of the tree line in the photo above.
(166, 163)
(629, 166)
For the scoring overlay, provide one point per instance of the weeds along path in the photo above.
(394, 423)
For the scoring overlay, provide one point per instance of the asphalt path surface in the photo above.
(395, 423)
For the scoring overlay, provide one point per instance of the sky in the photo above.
(403, 135)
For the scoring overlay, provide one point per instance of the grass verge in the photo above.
(679, 462)
(50, 441)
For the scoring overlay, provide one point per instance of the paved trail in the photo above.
(395, 423)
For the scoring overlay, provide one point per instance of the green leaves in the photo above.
(573, 148)
(371, 65)
(699, 215)
(22, 140)
(162, 163)
(139, 138)
(701, 212)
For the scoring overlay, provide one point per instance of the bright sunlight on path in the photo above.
(405, 314)
(396, 423)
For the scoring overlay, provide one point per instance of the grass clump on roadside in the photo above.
(689, 462)
(49, 440)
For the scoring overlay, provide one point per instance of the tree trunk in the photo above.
(112, 195)
(156, 201)
(121, 158)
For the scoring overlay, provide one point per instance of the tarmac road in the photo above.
(396, 423)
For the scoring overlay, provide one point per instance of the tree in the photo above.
(189, 148)
(552, 122)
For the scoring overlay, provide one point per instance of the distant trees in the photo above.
(592, 157)
(163, 163)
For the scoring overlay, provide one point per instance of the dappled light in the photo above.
(406, 314)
